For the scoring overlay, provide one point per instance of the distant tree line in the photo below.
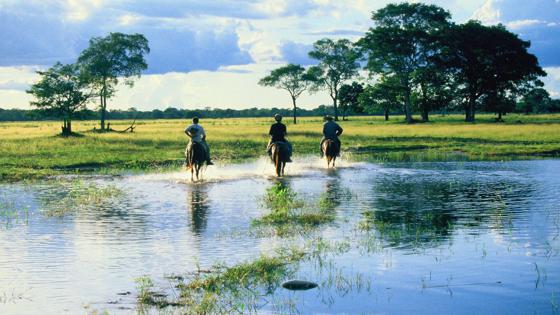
(532, 104)
(416, 60)
(169, 113)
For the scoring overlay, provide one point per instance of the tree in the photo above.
(292, 78)
(348, 98)
(534, 100)
(338, 63)
(436, 89)
(383, 96)
(402, 43)
(499, 102)
(487, 60)
(61, 91)
(107, 59)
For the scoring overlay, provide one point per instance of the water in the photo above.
(448, 237)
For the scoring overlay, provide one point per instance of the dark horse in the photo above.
(331, 151)
(279, 154)
(196, 156)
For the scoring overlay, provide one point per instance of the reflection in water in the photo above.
(426, 210)
(199, 207)
(331, 198)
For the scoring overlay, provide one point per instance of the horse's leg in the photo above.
(192, 173)
(278, 165)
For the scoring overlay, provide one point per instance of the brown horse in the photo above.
(331, 151)
(279, 154)
(196, 156)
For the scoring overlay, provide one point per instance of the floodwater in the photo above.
(451, 238)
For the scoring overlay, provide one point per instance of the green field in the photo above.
(33, 149)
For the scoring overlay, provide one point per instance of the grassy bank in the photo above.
(33, 149)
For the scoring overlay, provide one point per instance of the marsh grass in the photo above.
(289, 213)
(31, 150)
(79, 195)
(11, 214)
(241, 288)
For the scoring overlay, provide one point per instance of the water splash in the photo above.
(261, 168)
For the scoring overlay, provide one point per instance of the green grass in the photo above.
(225, 290)
(33, 149)
(289, 213)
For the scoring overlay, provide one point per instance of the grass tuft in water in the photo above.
(287, 209)
(78, 195)
(10, 213)
(237, 289)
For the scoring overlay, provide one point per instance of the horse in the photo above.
(196, 156)
(331, 151)
(279, 155)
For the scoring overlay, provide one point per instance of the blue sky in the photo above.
(212, 53)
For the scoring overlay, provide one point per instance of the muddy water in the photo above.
(448, 237)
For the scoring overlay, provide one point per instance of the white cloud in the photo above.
(487, 13)
(519, 24)
(80, 10)
(230, 87)
(552, 81)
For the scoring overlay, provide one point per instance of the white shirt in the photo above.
(196, 131)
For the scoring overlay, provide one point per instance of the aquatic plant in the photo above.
(79, 195)
(286, 209)
(241, 288)
(10, 213)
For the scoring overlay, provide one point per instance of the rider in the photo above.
(197, 134)
(331, 130)
(278, 133)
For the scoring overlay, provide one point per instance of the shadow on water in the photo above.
(199, 207)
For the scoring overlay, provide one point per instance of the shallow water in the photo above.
(449, 237)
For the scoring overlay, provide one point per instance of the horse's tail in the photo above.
(195, 155)
(330, 148)
(280, 155)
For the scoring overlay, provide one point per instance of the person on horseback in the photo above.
(331, 130)
(196, 133)
(278, 134)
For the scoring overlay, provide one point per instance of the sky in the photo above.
(213, 53)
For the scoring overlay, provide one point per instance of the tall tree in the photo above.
(348, 98)
(110, 58)
(338, 63)
(61, 91)
(401, 43)
(384, 96)
(435, 89)
(292, 78)
(487, 60)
